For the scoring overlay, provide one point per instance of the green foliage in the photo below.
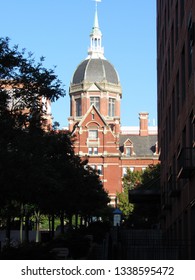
(124, 204)
(131, 180)
(146, 214)
(151, 175)
(141, 180)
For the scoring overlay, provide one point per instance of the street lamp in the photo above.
(117, 213)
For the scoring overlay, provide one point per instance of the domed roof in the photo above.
(95, 70)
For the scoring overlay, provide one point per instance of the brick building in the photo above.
(95, 96)
(176, 121)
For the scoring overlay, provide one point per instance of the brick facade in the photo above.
(95, 95)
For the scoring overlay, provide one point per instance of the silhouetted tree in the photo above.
(146, 213)
(39, 171)
(23, 84)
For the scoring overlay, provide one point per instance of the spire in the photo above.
(96, 24)
(95, 50)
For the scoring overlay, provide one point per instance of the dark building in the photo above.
(176, 121)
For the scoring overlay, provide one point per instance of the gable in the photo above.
(128, 143)
(93, 87)
(92, 117)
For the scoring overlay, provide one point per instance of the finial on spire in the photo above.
(97, 1)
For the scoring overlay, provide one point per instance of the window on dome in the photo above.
(78, 106)
(111, 107)
(95, 101)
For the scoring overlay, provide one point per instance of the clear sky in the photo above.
(59, 30)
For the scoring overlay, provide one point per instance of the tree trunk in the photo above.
(62, 222)
(81, 220)
(49, 221)
(76, 221)
(70, 221)
(26, 228)
(85, 221)
(21, 222)
(52, 225)
(37, 215)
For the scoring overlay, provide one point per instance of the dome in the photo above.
(95, 70)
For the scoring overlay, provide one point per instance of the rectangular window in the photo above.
(128, 151)
(78, 107)
(90, 151)
(176, 24)
(183, 74)
(95, 101)
(100, 169)
(172, 46)
(124, 171)
(93, 151)
(184, 141)
(173, 110)
(111, 108)
(177, 94)
(182, 8)
(169, 123)
(191, 130)
(93, 134)
(169, 64)
(191, 39)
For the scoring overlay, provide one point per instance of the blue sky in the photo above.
(59, 30)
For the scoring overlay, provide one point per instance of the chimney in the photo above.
(143, 124)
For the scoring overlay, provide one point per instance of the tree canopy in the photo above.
(38, 166)
(142, 214)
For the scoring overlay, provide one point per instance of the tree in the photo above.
(23, 84)
(146, 213)
(130, 181)
(39, 171)
(151, 175)
(94, 197)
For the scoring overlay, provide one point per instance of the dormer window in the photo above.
(128, 148)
